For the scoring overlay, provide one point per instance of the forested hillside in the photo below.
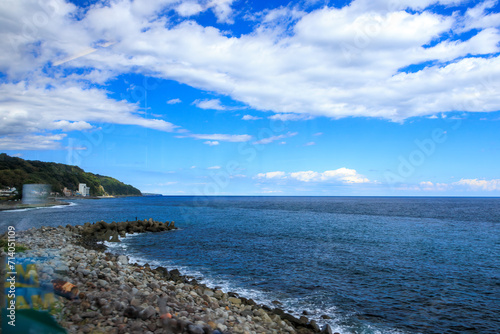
(14, 172)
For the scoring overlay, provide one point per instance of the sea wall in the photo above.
(107, 294)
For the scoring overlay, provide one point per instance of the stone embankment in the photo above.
(110, 295)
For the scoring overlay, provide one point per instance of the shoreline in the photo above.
(20, 206)
(116, 296)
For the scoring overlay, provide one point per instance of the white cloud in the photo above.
(269, 140)
(476, 184)
(271, 175)
(264, 191)
(174, 101)
(341, 175)
(70, 126)
(211, 143)
(462, 185)
(318, 134)
(290, 117)
(214, 167)
(27, 108)
(222, 10)
(478, 17)
(214, 104)
(189, 8)
(250, 118)
(344, 175)
(219, 137)
(333, 62)
(31, 142)
(429, 186)
(306, 176)
(311, 143)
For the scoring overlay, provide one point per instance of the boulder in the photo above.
(122, 259)
(327, 329)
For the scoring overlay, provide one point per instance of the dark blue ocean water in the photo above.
(373, 264)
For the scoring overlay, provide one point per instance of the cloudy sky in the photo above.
(218, 97)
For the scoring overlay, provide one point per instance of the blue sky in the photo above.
(225, 97)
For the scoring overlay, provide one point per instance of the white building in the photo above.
(8, 192)
(83, 189)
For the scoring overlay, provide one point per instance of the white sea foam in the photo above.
(294, 306)
(44, 207)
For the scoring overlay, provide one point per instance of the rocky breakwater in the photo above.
(110, 295)
(90, 234)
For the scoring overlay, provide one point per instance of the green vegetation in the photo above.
(14, 172)
(5, 245)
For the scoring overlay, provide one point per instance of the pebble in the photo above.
(119, 297)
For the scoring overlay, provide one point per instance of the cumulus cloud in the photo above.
(214, 167)
(214, 104)
(476, 184)
(473, 185)
(344, 175)
(430, 186)
(219, 137)
(174, 101)
(31, 142)
(341, 175)
(250, 118)
(290, 117)
(189, 8)
(364, 59)
(29, 108)
(211, 143)
(269, 140)
(271, 175)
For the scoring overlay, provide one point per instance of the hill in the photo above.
(14, 172)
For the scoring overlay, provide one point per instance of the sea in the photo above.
(366, 264)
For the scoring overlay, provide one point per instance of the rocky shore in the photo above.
(107, 294)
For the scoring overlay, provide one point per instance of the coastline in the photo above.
(116, 296)
(19, 205)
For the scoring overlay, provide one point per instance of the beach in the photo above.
(19, 205)
(108, 294)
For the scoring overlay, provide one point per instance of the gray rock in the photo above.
(122, 259)
(118, 305)
(315, 326)
(135, 302)
(62, 268)
(247, 313)
(154, 285)
(106, 310)
(78, 257)
(85, 272)
(193, 329)
(147, 313)
(327, 329)
(131, 312)
(102, 283)
(89, 314)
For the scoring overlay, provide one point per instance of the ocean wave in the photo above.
(293, 306)
(44, 207)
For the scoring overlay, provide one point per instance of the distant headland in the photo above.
(66, 181)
